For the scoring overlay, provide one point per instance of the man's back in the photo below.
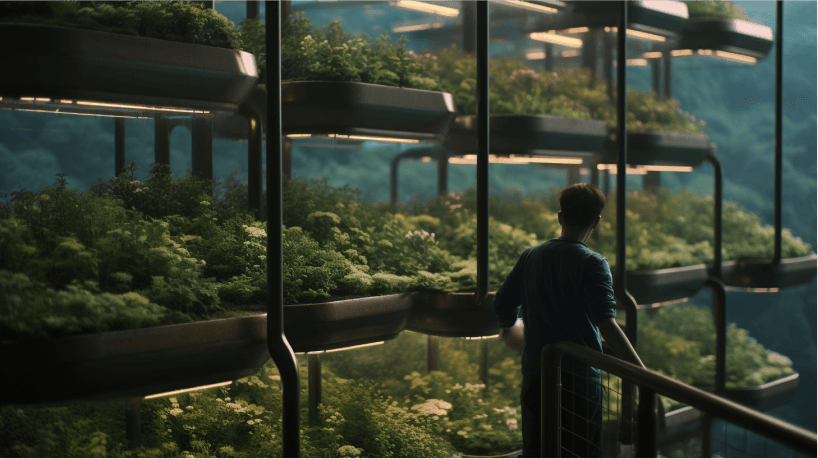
(564, 289)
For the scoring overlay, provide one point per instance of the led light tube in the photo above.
(374, 138)
(474, 338)
(140, 107)
(298, 136)
(576, 30)
(181, 391)
(347, 348)
(639, 170)
(472, 159)
(426, 159)
(426, 8)
(668, 168)
(556, 39)
(535, 55)
(570, 53)
(736, 57)
(652, 54)
(530, 6)
(681, 52)
(668, 303)
(752, 289)
(414, 28)
(57, 111)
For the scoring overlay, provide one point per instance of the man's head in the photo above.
(581, 205)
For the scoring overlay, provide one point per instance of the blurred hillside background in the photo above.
(737, 102)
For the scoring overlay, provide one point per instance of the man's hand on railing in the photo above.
(514, 336)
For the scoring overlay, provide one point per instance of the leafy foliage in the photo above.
(719, 9)
(184, 21)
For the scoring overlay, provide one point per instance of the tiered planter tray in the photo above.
(330, 107)
(727, 34)
(766, 396)
(661, 149)
(132, 363)
(662, 285)
(230, 126)
(452, 315)
(541, 135)
(81, 65)
(669, 20)
(338, 324)
(760, 274)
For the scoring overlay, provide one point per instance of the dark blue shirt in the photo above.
(563, 289)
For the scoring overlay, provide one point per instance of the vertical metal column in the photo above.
(254, 164)
(550, 414)
(779, 50)
(607, 53)
(432, 353)
(133, 421)
(314, 386)
(202, 143)
(280, 349)
(482, 151)
(646, 420)
(620, 285)
(393, 182)
(161, 140)
(442, 171)
(469, 19)
(589, 55)
(549, 57)
(651, 181)
(656, 77)
(484, 362)
(252, 9)
(119, 146)
(666, 60)
(287, 160)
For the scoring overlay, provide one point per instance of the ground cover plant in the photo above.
(188, 22)
(516, 89)
(720, 9)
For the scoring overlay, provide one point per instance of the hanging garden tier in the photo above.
(90, 72)
(364, 111)
(346, 323)
(765, 397)
(652, 287)
(452, 315)
(133, 363)
(531, 135)
(661, 19)
(763, 275)
(726, 38)
(661, 149)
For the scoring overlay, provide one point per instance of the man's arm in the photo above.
(508, 298)
(616, 338)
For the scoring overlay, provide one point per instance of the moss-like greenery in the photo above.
(718, 9)
(185, 21)
(568, 93)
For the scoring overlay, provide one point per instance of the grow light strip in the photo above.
(551, 37)
(576, 30)
(181, 391)
(752, 289)
(57, 111)
(475, 338)
(513, 159)
(667, 303)
(414, 28)
(639, 170)
(570, 53)
(426, 8)
(652, 55)
(347, 348)
(652, 168)
(530, 6)
(638, 34)
(140, 107)
(535, 55)
(634, 63)
(373, 138)
(298, 136)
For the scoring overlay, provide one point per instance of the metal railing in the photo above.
(560, 412)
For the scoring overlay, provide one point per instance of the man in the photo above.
(565, 293)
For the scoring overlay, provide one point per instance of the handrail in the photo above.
(783, 432)
(280, 349)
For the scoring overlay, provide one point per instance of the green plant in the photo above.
(184, 21)
(722, 8)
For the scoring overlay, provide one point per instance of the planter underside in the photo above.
(653, 287)
(234, 126)
(661, 149)
(538, 135)
(89, 66)
(727, 34)
(452, 315)
(133, 363)
(600, 14)
(762, 274)
(330, 107)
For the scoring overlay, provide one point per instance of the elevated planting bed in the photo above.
(76, 66)
(652, 286)
(661, 149)
(363, 109)
(731, 35)
(761, 274)
(345, 323)
(542, 135)
(133, 363)
(452, 315)
(659, 18)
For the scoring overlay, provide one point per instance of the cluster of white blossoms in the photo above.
(433, 407)
(422, 234)
(255, 231)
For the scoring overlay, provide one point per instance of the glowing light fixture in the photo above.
(27, 99)
(652, 55)
(181, 391)
(426, 159)
(57, 111)
(426, 8)
(475, 338)
(551, 37)
(667, 303)
(642, 170)
(681, 52)
(634, 62)
(515, 159)
(570, 53)
(298, 136)
(629, 170)
(531, 6)
(576, 30)
(374, 138)
(140, 107)
(347, 348)
(414, 28)
(584, 171)
(535, 55)
(752, 289)
(736, 57)
(638, 34)
(715, 53)
(673, 8)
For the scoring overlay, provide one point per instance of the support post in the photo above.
(161, 140)
(656, 77)
(432, 353)
(666, 60)
(482, 151)
(589, 55)
(651, 181)
(252, 9)
(314, 386)
(393, 182)
(607, 63)
(133, 421)
(646, 445)
(484, 362)
(287, 161)
(779, 50)
(469, 20)
(119, 146)
(279, 347)
(550, 421)
(202, 142)
(442, 171)
(549, 57)
(254, 164)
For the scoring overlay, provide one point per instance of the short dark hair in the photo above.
(581, 204)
